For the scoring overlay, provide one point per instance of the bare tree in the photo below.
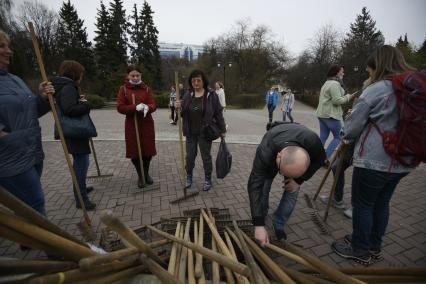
(324, 50)
(45, 23)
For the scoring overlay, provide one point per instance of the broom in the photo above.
(85, 229)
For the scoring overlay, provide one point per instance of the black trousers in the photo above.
(192, 141)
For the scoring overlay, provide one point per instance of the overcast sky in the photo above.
(292, 22)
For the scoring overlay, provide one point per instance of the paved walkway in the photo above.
(404, 243)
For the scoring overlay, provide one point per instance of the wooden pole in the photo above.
(25, 211)
(58, 125)
(184, 254)
(332, 160)
(221, 259)
(92, 261)
(19, 266)
(138, 143)
(321, 266)
(179, 121)
(92, 145)
(60, 245)
(289, 255)
(198, 256)
(340, 155)
(172, 259)
(191, 275)
(267, 262)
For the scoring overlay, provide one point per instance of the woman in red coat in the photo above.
(143, 107)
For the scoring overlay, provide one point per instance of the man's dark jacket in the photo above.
(265, 166)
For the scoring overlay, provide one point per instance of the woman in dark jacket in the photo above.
(200, 108)
(143, 107)
(72, 104)
(21, 153)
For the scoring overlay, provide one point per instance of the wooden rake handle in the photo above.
(58, 124)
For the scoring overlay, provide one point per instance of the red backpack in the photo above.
(409, 139)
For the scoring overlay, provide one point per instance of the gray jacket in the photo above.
(377, 103)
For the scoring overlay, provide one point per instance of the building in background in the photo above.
(180, 50)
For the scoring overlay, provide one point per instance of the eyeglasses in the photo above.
(196, 80)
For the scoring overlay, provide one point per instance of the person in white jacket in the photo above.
(221, 94)
(287, 105)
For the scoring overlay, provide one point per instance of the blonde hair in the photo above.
(387, 60)
(4, 36)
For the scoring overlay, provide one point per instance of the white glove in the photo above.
(141, 106)
(145, 110)
(261, 235)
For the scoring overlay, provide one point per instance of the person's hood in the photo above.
(59, 82)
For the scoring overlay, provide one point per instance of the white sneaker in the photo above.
(337, 205)
(348, 213)
(171, 122)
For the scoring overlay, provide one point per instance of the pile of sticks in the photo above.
(233, 252)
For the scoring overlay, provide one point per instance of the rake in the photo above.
(96, 163)
(186, 195)
(84, 227)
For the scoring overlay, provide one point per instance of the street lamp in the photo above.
(219, 64)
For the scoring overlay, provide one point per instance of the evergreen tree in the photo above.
(72, 38)
(359, 43)
(150, 54)
(116, 36)
(101, 41)
(135, 37)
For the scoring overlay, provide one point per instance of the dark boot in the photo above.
(146, 163)
(135, 163)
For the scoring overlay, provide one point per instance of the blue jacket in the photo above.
(19, 112)
(271, 96)
(377, 103)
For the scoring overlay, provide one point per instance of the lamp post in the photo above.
(219, 64)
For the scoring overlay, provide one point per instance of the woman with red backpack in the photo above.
(376, 174)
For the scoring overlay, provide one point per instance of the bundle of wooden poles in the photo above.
(233, 252)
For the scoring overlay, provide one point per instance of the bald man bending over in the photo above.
(295, 152)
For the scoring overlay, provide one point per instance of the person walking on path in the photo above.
(73, 104)
(271, 101)
(287, 105)
(296, 153)
(21, 152)
(220, 91)
(200, 108)
(329, 110)
(143, 107)
(376, 174)
(172, 101)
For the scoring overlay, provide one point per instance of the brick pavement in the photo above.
(404, 243)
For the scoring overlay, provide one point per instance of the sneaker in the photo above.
(207, 185)
(348, 213)
(376, 254)
(171, 122)
(188, 181)
(345, 250)
(89, 189)
(90, 206)
(336, 204)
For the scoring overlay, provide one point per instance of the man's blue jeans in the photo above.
(81, 166)
(328, 125)
(27, 187)
(271, 109)
(371, 193)
(284, 210)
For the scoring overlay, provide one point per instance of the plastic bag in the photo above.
(223, 160)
